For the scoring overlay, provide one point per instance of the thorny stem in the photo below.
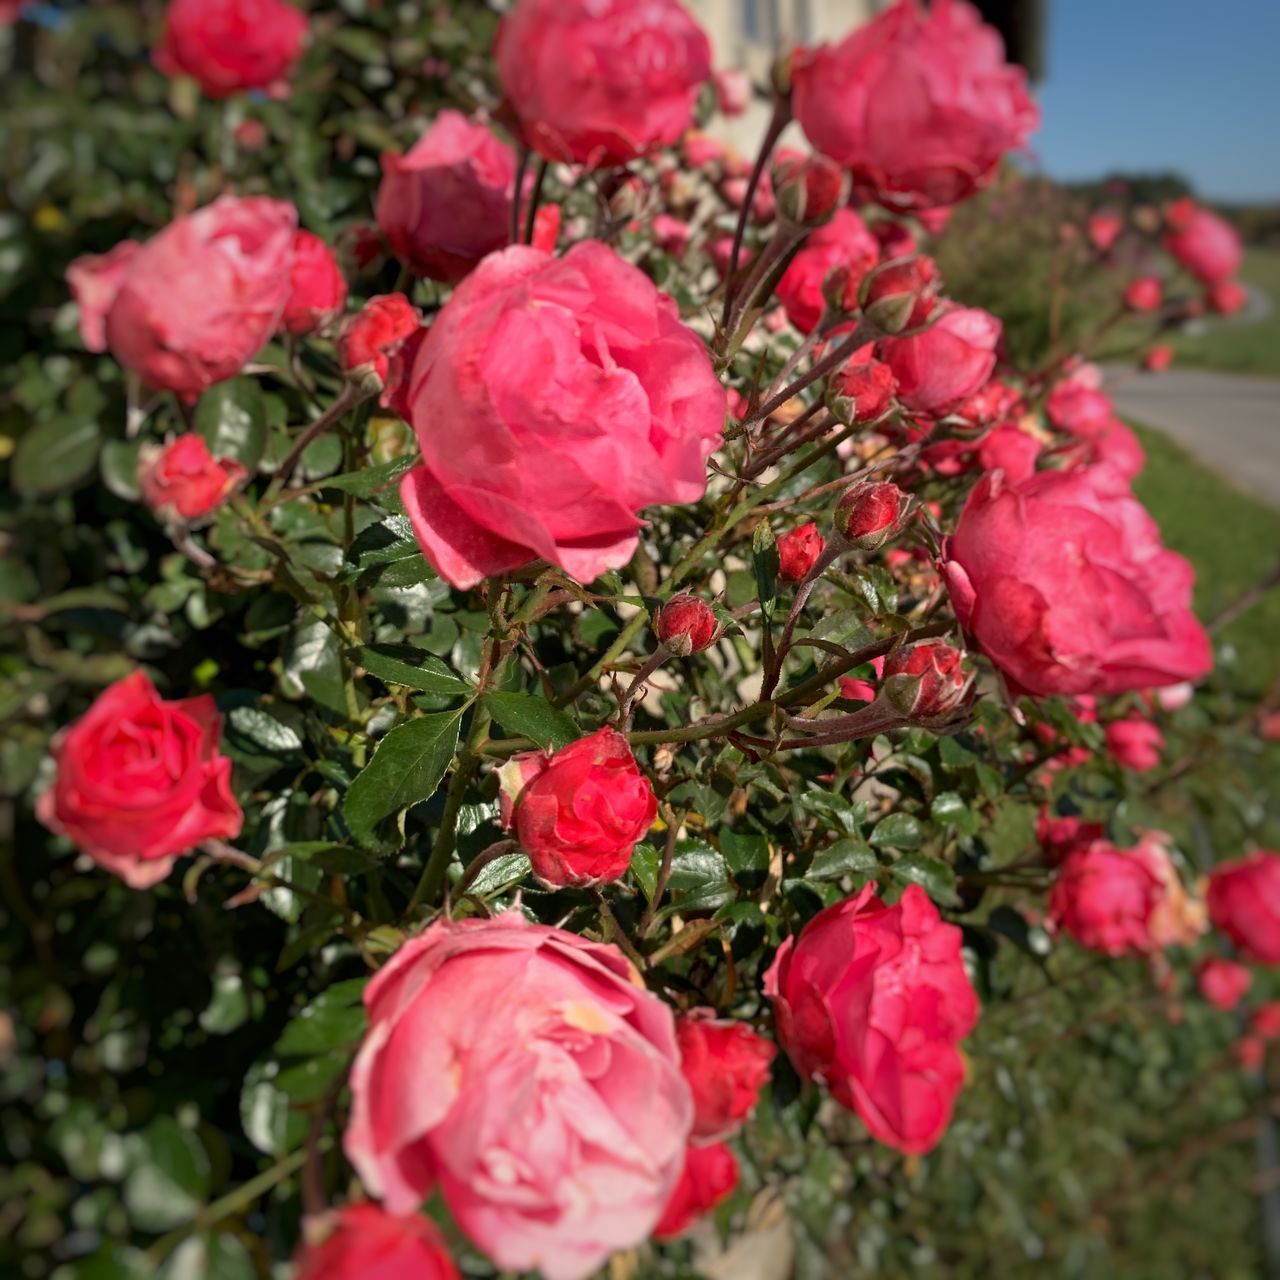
(348, 398)
(532, 214)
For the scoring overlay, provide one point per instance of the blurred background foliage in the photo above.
(151, 1049)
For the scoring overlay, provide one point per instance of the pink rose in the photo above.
(140, 781)
(921, 106)
(941, 367)
(1158, 359)
(798, 552)
(230, 45)
(842, 242)
(1226, 297)
(733, 91)
(579, 812)
(671, 234)
(1063, 580)
(367, 1243)
(870, 513)
(199, 300)
(447, 203)
(317, 288)
(555, 1119)
(1135, 744)
(903, 293)
(94, 281)
(701, 150)
(1058, 836)
(1144, 294)
(553, 400)
(1104, 230)
(1264, 1022)
(725, 1065)
(873, 1000)
(183, 481)
(1223, 983)
(1206, 244)
(1009, 449)
(601, 82)
(1244, 903)
(370, 338)
(710, 1175)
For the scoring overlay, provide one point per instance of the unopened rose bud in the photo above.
(1158, 359)
(871, 513)
(840, 288)
(368, 339)
(1226, 297)
(808, 189)
(1144, 294)
(798, 552)
(862, 390)
(901, 294)
(733, 91)
(925, 681)
(686, 624)
(781, 72)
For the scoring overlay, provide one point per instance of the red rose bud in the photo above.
(1135, 744)
(901, 294)
(1158, 359)
(317, 290)
(725, 1065)
(368, 1243)
(871, 513)
(808, 189)
(1104, 230)
(1223, 983)
(926, 680)
(182, 481)
(798, 552)
(1058, 836)
(862, 390)
(579, 812)
(710, 1175)
(686, 624)
(368, 339)
(1244, 903)
(1264, 1022)
(1226, 297)
(1144, 294)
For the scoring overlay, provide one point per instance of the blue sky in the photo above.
(1191, 85)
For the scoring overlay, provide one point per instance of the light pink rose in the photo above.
(941, 367)
(553, 400)
(526, 1074)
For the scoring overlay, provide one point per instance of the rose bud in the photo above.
(232, 45)
(369, 337)
(1251, 1053)
(700, 150)
(139, 781)
(686, 624)
(1104, 230)
(1223, 983)
(827, 271)
(1226, 297)
(725, 1065)
(940, 367)
(1203, 242)
(546, 228)
(733, 91)
(1135, 744)
(1144, 294)
(447, 203)
(1264, 1022)
(1057, 836)
(601, 85)
(798, 552)
(579, 812)
(926, 681)
(368, 1243)
(901, 294)
(873, 1000)
(862, 390)
(808, 189)
(556, 1120)
(317, 289)
(871, 513)
(182, 481)
(710, 1175)
(1158, 359)
(1244, 903)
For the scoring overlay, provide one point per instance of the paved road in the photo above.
(1230, 421)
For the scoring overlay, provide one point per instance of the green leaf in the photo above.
(412, 667)
(848, 857)
(764, 560)
(645, 861)
(1030, 938)
(504, 871)
(527, 715)
(259, 731)
(933, 875)
(699, 878)
(405, 769)
(268, 1117)
(386, 542)
(218, 1257)
(367, 482)
(168, 1176)
(55, 455)
(335, 1019)
(897, 831)
(313, 667)
(949, 808)
(232, 418)
(747, 856)
(119, 466)
(844, 627)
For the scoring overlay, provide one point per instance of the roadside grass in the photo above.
(1241, 346)
(1232, 539)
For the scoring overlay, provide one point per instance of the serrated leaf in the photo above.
(232, 418)
(366, 482)
(848, 857)
(699, 878)
(504, 871)
(335, 1019)
(746, 855)
(414, 668)
(897, 831)
(261, 731)
(935, 877)
(386, 542)
(845, 628)
(526, 715)
(764, 560)
(405, 769)
(645, 861)
(55, 455)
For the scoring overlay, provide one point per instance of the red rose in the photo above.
(1264, 1022)
(870, 513)
(370, 337)
(1135, 744)
(686, 624)
(1063, 580)
(1244, 903)
(808, 189)
(902, 294)
(601, 82)
(710, 1175)
(863, 389)
(230, 45)
(1057, 836)
(798, 552)
(929, 679)
(183, 481)
(725, 1065)
(1226, 297)
(1223, 983)
(843, 242)
(921, 106)
(368, 1243)
(1144, 294)
(942, 366)
(198, 301)
(317, 289)
(874, 1000)
(447, 203)
(1251, 1052)
(1158, 359)
(579, 812)
(140, 781)
(554, 399)
(1009, 449)
(1206, 244)
(1104, 230)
